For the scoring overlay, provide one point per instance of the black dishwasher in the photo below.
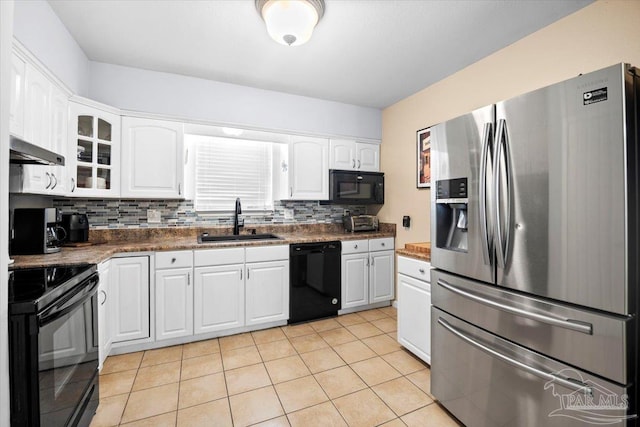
(315, 281)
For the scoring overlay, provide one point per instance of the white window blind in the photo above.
(229, 168)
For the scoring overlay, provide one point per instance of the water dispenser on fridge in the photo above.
(451, 214)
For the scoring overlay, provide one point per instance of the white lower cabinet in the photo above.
(381, 270)
(174, 303)
(130, 291)
(267, 291)
(212, 290)
(174, 294)
(414, 307)
(355, 280)
(367, 272)
(105, 312)
(218, 298)
(267, 284)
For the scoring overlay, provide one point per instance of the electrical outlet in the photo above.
(154, 216)
(346, 212)
(288, 214)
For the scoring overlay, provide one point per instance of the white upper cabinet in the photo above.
(308, 168)
(152, 159)
(39, 113)
(93, 155)
(346, 154)
(16, 111)
(37, 108)
(368, 157)
(58, 143)
(342, 154)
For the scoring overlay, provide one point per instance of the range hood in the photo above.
(26, 153)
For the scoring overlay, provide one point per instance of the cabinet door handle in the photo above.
(55, 181)
(372, 260)
(248, 271)
(73, 185)
(353, 163)
(290, 191)
(358, 164)
(240, 274)
(105, 297)
(188, 279)
(48, 180)
(367, 261)
(179, 190)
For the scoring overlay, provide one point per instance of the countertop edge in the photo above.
(103, 251)
(414, 254)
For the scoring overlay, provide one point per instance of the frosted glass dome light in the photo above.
(290, 22)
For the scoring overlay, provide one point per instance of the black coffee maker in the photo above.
(36, 231)
(76, 227)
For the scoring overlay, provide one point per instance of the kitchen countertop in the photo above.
(421, 251)
(110, 242)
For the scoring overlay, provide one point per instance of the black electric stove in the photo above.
(32, 289)
(53, 345)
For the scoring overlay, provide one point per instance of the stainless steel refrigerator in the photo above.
(534, 205)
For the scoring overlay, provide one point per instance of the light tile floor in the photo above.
(345, 371)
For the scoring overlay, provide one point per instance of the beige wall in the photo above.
(601, 34)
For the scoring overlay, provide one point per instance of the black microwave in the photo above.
(356, 188)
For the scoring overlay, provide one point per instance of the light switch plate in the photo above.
(288, 214)
(154, 216)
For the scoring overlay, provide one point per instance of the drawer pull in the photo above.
(173, 260)
(421, 270)
(550, 319)
(355, 246)
(548, 376)
(382, 244)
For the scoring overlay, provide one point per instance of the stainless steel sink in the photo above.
(205, 238)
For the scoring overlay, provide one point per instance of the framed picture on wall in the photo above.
(424, 158)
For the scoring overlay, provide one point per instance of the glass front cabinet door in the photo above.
(94, 152)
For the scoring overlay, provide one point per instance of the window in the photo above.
(228, 168)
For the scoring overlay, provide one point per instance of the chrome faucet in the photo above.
(237, 222)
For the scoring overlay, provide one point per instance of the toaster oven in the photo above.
(360, 223)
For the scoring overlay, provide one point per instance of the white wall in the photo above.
(6, 30)
(194, 98)
(40, 30)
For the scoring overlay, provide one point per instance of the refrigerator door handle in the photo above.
(548, 376)
(574, 325)
(501, 145)
(484, 229)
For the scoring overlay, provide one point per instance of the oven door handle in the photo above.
(67, 305)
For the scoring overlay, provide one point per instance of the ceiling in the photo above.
(370, 53)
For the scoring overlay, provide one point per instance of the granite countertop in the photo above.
(107, 243)
(421, 251)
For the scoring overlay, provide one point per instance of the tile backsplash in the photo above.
(127, 213)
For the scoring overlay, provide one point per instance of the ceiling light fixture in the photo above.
(290, 22)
